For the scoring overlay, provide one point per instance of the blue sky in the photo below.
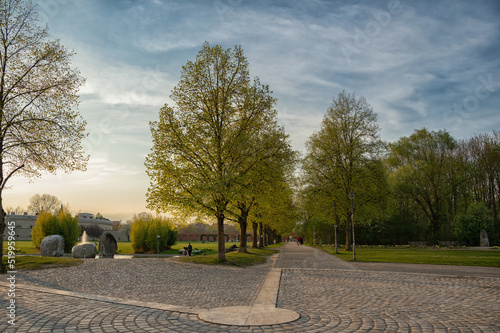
(433, 64)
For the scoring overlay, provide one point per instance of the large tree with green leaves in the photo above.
(207, 147)
(421, 168)
(40, 127)
(339, 158)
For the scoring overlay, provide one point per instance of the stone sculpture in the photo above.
(483, 241)
(84, 250)
(52, 246)
(107, 245)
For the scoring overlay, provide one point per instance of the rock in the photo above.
(52, 246)
(85, 250)
(107, 245)
(483, 241)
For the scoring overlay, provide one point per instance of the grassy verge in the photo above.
(253, 257)
(208, 256)
(22, 247)
(36, 262)
(460, 257)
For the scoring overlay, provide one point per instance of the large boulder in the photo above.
(85, 250)
(52, 246)
(107, 245)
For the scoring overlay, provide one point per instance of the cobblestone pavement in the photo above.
(330, 296)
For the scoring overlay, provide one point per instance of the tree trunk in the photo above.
(220, 237)
(261, 235)
(348, 233)
(242, 220)
(3, 268)
(254, 236)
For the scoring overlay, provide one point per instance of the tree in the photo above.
(44, 202)
(145, 231)
(61, 223)
(272, 158)
(470, 224)
(45, 225)
(203, 150)
(339, 155)
(93, 231)
(482, 155)
(420, 166)
(40, 127)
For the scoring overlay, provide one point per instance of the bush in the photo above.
(61, 224)
(145, 229)
(469, 225)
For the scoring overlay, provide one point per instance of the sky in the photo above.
(433, 64)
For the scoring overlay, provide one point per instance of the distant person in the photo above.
(301, 241)
(190, 249)
(298, 240)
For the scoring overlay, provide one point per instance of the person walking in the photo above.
(190, 249)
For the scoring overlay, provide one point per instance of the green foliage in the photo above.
(212, 149)
(61, 224)
(424, 169)
(41, 128)
(344, 157)
(44, 226)
(469, 225)
(145, 230)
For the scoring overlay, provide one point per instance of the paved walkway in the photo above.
(160, 295)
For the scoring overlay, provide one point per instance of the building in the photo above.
(24, 224)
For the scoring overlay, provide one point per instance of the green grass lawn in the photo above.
(36, 262)
(22, 247)
(460, 257)
(126, 247)
(463, 257)
(209, 256)
(253, 257)
(26, 247)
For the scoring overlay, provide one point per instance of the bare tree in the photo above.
(40, 126)
(45, 202)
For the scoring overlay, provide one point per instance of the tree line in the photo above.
(427, 186)
(218, 151)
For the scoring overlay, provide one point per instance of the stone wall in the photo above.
(204, 237)
(24, 224)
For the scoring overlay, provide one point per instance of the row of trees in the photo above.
(219, 152)
(417, 188)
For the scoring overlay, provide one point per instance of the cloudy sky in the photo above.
(433, 64)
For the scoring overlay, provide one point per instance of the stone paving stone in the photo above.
(330, 295)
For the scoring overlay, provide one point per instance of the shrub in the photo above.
(61, 224)
(145, 229)
(469, 225)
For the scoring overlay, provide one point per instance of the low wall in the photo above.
(204, 237)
